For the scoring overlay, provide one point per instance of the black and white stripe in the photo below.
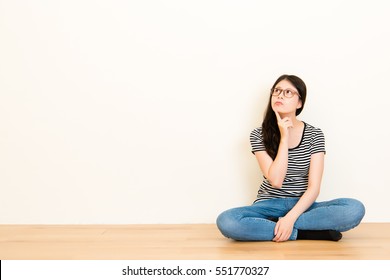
(296, 180)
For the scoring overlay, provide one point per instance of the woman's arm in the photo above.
(285, 225)
(313, 188)
(275, 170)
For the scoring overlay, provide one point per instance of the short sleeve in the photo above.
(256, 140)
(317, 143)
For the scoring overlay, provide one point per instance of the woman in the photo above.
(290, 154)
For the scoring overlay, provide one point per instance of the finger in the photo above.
(287, 235)
(281, 237)
(277, 115)
(288, 122)
(278, 235)
(278, 238)
(276, 230)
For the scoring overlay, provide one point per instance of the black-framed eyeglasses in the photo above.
(288, 93)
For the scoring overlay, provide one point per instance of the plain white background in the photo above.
(140, 111)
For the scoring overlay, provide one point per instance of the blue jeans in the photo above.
(257, 221)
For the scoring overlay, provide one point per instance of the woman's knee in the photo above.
(357, 208)
(228, 223)
(354, 211)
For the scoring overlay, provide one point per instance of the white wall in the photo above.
(140, 111)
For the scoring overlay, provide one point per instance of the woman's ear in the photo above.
(299, 106)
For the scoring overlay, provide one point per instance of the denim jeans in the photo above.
(257, 221)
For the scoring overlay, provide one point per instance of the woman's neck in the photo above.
(292, 116)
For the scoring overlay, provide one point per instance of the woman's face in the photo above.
(285, 98)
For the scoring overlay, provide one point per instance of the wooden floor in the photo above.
(369, 241)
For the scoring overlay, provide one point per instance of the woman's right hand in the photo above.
(284, 125)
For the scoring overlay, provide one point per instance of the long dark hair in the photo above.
(270, 129)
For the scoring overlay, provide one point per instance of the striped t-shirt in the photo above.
(297, 176)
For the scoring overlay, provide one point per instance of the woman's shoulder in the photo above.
(311, 127)
(313, 130)
(256, 131)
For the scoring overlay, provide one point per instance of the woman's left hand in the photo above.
(283, 229)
